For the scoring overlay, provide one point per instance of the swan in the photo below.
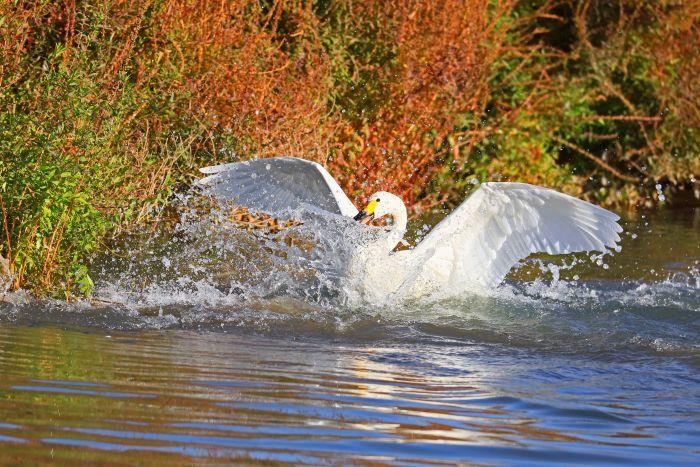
(469, 251)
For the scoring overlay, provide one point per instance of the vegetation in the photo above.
(108, 106)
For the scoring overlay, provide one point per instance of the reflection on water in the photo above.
(69, 395)
(597, 365)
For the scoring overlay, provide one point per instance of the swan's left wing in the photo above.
(276, 184)
(503, 223)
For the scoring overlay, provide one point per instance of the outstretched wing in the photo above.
(276, 184)
(503, 223)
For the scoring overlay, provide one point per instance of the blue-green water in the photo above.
(600, 365)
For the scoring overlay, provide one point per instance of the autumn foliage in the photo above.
(107, 107)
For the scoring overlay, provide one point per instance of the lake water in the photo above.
(572, 363)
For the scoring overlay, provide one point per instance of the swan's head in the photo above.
(379, 205)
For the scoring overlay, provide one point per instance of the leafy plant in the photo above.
(107, 107)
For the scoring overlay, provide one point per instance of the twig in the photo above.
(597, 160)
(632, 118)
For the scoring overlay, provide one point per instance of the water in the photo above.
(568, 363)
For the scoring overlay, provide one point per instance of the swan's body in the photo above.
(471, 250)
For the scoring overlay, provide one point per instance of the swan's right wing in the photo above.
(276, 184)
(503, 223)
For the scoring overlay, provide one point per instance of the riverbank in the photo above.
(108, 108)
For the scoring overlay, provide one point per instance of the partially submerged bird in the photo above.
(471, 250)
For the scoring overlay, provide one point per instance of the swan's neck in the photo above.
(398, 228)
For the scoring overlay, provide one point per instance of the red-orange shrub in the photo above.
(437, 83)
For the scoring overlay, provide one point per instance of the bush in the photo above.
(106, 107)
(601, 96)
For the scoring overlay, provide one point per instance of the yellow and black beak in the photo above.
(367, 214)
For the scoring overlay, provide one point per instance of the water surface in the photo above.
(594, 362)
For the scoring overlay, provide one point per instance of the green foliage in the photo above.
(586, 98)
(361, 56)
(69, 144)
(51, 176)
(83, 280)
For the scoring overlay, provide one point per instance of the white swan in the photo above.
(471, 250)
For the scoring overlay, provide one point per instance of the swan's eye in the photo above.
(377, 200)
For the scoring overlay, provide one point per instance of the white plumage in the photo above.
(277, 184)
(471, 250)
(503, 223)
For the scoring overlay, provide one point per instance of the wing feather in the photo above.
(276, 184)
(503, 223)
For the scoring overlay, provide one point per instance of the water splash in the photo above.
(203, 274)
(205, 260)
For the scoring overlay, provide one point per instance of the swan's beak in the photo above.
(367, 214)
(363, 218)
